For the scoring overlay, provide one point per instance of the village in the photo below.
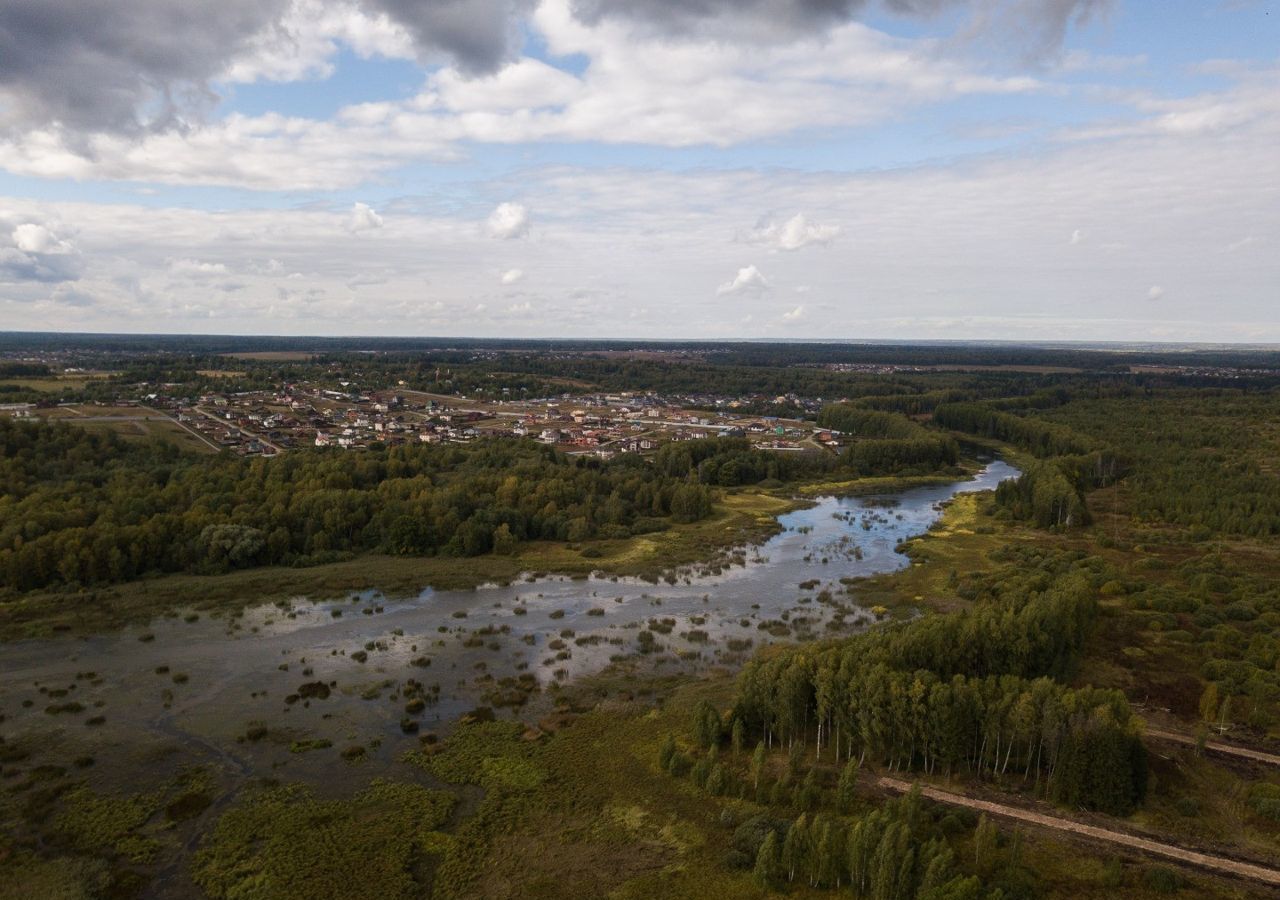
(601, 425)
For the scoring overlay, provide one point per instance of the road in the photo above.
(1219, 864)
(1214, 747)
(246, 432)
(185, 427)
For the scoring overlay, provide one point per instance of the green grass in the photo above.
(53, 384)
(149, 429)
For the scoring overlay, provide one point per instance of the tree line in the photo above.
(84, 509)
(734, 461)
(895, 852)
(967, 690)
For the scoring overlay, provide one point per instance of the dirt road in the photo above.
(1214, 747)
(1219, 864)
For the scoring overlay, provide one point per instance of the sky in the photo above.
(768, 169)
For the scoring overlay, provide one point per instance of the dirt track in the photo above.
(1213, 747)
(1218, 864)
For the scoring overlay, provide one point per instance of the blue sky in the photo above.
(1004, 169)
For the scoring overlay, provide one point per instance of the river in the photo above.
(187, 689)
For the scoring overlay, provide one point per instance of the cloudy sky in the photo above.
(1012, 169)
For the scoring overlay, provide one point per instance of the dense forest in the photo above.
(1208, 458)
(733, 461)
(85, 509)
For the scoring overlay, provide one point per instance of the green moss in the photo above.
(489, 754)
(66, 878)
(90, 821)
(285, 844)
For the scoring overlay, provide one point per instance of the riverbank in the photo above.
(742, 517)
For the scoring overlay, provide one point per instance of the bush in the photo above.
(1163, 880)
(1264, 799)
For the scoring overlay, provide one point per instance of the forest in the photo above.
(89, 509)
(976, 689)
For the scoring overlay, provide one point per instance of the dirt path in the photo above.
(246, 432)
(1155, 848)
(187, 428)
(1214, 747)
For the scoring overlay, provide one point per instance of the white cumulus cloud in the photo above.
(363, 217)
(794, 315)
(749, 280)
(794, 233)
(31, 252)
(511, 276)
(1155, 293)
(196, 267)
(508, 221)
(31, 237)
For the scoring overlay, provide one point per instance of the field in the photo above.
(131, 423)
(54, 384)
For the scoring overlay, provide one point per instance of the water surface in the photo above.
(492, 646)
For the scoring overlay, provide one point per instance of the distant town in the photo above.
(304, 414)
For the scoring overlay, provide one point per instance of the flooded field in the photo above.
(287, 690)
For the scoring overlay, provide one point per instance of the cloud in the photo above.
(32, 252)
(794, 315)
(1036, 27)
(1077, 236)
(480, 35)
(1252, 98)
(69, 296)
(197, 268)
(367, 279)
(752, 19)
(118, 65)
(363, 218)
(31, 237)
(983, 235)
(302, 43)
(511, 276)
(1156, 292)
(129, 66)
(749, 280)
(795, 233)
(632, 87)
(508, 221)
